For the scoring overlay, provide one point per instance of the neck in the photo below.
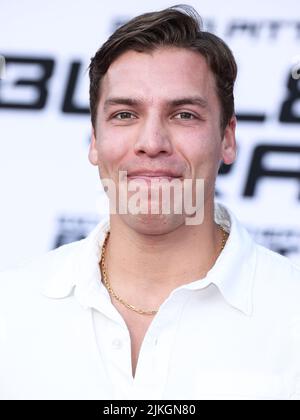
(151, 266)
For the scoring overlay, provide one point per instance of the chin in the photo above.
(155, 224)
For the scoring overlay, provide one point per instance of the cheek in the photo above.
(202, 153)
(111, 151)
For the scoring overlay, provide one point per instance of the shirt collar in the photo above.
(234, 270)
(78, 267)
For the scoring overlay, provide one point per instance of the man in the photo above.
(154, 304)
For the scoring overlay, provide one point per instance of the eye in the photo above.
(124, 116)
(185, 116)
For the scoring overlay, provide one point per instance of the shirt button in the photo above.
(116, 344)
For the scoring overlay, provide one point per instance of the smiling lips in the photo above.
(151, 175)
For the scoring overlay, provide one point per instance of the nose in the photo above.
(153, 138)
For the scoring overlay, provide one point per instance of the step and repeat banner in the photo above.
(49, 192)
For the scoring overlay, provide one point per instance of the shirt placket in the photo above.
(113, 342)
(155, 354)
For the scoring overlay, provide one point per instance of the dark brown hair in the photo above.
(178, 26)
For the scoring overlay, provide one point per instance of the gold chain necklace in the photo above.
(118, 298)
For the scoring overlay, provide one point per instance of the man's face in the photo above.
(159, 114)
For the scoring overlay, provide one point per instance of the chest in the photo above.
(188, 351)
(138, 326)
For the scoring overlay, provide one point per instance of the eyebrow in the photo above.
(190, 100)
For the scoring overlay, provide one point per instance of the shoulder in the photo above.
(25, 307)
(275, 265)
(277, 279)
(25, 280)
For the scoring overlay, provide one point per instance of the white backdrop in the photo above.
(50, 194)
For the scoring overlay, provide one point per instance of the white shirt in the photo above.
(232, 335)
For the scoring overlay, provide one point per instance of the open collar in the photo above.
(76, 266)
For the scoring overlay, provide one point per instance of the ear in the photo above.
(229, 143)
(93, 152)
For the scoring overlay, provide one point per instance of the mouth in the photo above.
(153, 175)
